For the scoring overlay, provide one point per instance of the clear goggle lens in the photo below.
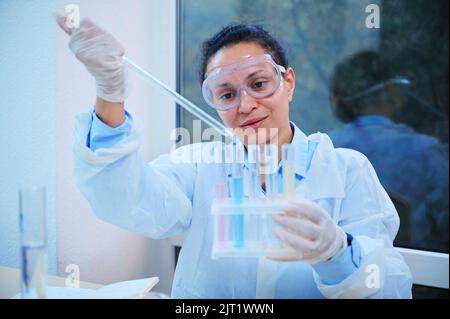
(259, 77)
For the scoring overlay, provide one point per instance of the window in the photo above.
(382, 91)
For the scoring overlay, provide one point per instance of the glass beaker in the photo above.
(32, 211)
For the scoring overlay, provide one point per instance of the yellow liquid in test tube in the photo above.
(288, 157)
(289, 179)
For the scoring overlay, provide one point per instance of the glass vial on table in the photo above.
(32, 219)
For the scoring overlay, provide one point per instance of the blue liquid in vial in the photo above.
(34, 270)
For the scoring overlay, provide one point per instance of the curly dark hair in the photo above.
(238, 33)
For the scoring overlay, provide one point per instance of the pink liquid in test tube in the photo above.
(221, 195)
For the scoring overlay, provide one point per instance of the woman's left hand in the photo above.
(310, 231)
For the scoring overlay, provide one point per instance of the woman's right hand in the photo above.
(102, 55)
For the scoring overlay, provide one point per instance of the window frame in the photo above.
(428, 268)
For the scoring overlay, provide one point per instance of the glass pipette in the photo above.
(182, 101)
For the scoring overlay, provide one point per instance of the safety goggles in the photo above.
(257, 76)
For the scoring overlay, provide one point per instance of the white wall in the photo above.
(104, 252)
(27, 117)
(42, 87)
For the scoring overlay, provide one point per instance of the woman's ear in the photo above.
(289, 79)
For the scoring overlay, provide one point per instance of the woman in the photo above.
(342, 230)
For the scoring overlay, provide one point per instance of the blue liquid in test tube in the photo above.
(238, 217)
(32, 214)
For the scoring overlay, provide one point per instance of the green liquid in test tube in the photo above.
(288, 158)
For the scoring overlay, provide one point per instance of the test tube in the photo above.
(254, 167)
(288, 158)
(252, 216)
(270, 166)
(237, 194)
(223, 216)
(33, 242)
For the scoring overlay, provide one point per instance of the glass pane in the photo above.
(382, 91)
(424, 292)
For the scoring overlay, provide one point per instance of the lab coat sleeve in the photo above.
(337, 269)
(370, 216)
(104, 136)
(151, 199)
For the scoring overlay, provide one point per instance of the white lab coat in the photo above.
(162, 199)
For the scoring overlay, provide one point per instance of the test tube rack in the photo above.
(254, 236)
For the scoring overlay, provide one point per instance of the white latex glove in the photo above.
(102, 55)
(310, 231)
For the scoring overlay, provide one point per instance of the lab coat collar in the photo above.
(300, 143)
(324, 178)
